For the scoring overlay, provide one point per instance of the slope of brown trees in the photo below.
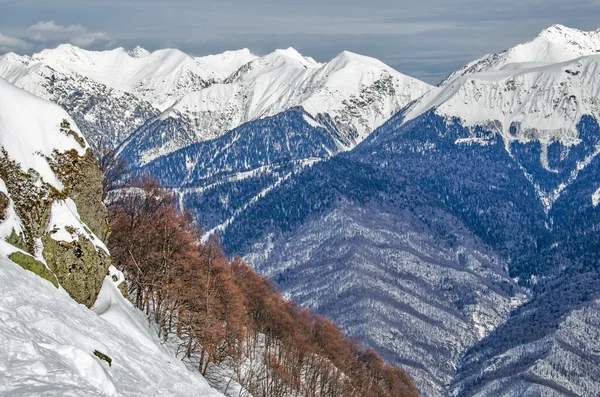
(225, 315)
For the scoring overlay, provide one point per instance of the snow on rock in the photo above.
(11, 222)
(29, 140)
(65, 224)
(138, 52)
(47, 344)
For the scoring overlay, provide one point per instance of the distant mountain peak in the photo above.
(138, 52)
(554, 44)
(294, 55)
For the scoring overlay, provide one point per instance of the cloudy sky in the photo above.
(423, 38)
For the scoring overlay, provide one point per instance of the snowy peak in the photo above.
(543, 103)
(138, 52)
(293, 54)
(352, 93)
(572, 39)
(227, 62)
(345, 58)
(545, 116)
(555, 44)
(288, 60)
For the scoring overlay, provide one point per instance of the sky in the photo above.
(426, 39)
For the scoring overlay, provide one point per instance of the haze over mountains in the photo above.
(454, 229)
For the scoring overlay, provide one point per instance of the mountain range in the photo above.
(453, 229)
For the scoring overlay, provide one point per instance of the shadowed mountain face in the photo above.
(409, 240)
(218, 179)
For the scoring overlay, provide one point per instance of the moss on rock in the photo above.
(33, 265)
(79, 266)
(17, 240)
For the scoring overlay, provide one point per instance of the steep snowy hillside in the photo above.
(49, 344)
(542, 105)
(352, 93)
(218, 178)
(553, 45)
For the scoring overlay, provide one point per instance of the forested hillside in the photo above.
(229, 322)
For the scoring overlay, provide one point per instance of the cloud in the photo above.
(87, 40)
(49, 32)
(8, 44)
(51, 26)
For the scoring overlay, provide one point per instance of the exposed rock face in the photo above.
(31, 199)
(79, 265)
(51, 195)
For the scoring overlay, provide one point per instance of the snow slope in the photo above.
(353, 93)
(555, 44)
(47, 344)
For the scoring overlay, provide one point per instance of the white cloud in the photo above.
(8, 44)
(50, 32)
(51, 26)
(88, 39)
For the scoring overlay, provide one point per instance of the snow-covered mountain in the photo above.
(103, 113)
(160, 77)
(555, 44)
(352, 93)
(508, 156)
(527, 105)
(111, 93)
